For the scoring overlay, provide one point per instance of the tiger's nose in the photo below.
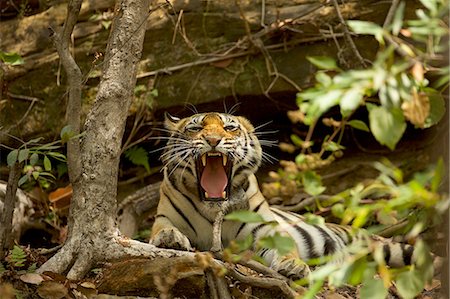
(213, 140)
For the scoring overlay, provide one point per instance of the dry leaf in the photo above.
(32, 278)
(296, 116)
(417, 71)
(61, 197)
(405, 32)
(88, 285)
(417, 109)
(52, 290)
(287, 147)
(435, 283)
(222, 63)
(333, 295)
(7, 291)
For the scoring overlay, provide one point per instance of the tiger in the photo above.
(209, 165)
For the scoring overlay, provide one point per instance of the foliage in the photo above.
(11, 58)
(17, 256)
(138, 156)
(276, 241)
(38, 166)
(394, 90)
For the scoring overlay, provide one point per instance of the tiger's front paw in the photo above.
(292, 268)
(170, 237)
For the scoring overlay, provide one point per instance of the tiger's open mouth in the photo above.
(214, 175)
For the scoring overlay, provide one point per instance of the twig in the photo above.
(391, 13)
(176, 27)
(23, 97)
(218, 287)
(62, 41)
(171, 69)
(263, 13)
(347, 35)
(44, 251)
(391, 230)
(213, 292)
(264, 282)
(33, 100)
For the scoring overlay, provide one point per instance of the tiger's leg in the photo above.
(289, 265)
(166, 235)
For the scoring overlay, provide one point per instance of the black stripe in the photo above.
(407, 251)
(182, 215)
(330, 244)
(339, 233)
(305, 235)
(243, 224)
(245, 185)
(387, 253)
(256, 229)
(161, 216)
(263, 252)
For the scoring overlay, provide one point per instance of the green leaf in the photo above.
(17, 256)
(437, 175)
(350, 101)
(23, 154)
(398, 18)
(34, 140)
(282, 244)
(66, 133)
(364, 27)
(47, 164)
(431, 5)
(138, 156)
(35, 174)
(373, 288)
(245, 216)
(245, 244)
(357, 270)
(11, 58)
(34, 159)
(409, 284)
(48, 174)
(323, 62)
(312, 183)
(358, 124)
(313, 289)
(386, 125)
(57, 156)
(332, 146)
(22, 180)
(437, 108)
(12, 157)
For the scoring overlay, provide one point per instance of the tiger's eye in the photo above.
(193, 129)
(231, 128)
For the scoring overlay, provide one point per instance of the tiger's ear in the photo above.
(246, 123)
(170, 122)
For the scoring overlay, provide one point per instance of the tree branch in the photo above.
(6, 215)
(62, 41)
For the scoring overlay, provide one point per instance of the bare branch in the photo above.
(347, 35)
(62, 41)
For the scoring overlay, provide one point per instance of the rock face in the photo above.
(194, 52)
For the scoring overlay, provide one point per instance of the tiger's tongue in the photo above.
(214, 179)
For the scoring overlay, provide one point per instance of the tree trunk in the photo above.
(6, 215)
(93, 236)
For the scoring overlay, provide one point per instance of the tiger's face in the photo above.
(213, 153)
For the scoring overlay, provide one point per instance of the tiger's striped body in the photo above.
(209, 165)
